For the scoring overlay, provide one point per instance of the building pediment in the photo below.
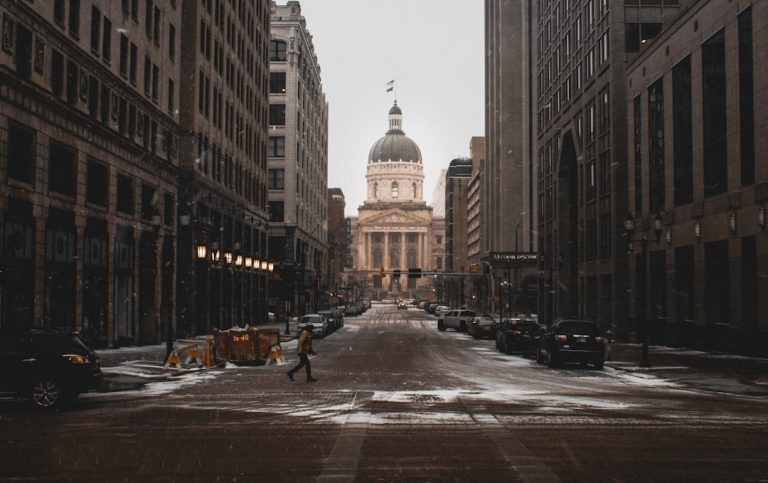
(395, 217)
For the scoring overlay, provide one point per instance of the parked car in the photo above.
(571, 340)
(432, 306)
(46, 366)
(516, 334)
(318, 322)
(331, 319)
(482, 328)
(366, 303)
(442, 310)
(457, 320)
(402, 305)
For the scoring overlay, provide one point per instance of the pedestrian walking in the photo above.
(304, 349)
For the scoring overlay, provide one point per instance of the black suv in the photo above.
(515, 334)
(46, 365)
(571, 340)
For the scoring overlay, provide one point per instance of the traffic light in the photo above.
(473, 267)
(382, 272)
(414, 273)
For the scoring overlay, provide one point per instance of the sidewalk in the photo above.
(711, 371)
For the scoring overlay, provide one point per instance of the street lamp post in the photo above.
(516, 286)
(629, 227)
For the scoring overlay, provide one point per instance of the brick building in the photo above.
(89, 164)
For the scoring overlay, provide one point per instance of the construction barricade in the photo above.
(248, 345)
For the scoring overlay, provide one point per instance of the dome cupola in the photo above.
(395, 146)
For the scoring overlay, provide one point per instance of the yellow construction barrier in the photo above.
(191, 352)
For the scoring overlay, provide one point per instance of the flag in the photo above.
(392, 82)
(390, 85)
(389, 89)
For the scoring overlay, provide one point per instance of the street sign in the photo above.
(523, 257)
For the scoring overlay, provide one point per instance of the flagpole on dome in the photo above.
(391, 88)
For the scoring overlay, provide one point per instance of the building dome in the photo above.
(395, 146)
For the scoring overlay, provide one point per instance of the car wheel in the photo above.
(440, 326)
(46, 393)
(552, 359)
(539, 357)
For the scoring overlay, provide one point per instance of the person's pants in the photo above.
(303, 361)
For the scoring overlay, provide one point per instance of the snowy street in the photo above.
(396, 400)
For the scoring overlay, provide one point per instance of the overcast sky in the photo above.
(434, 51)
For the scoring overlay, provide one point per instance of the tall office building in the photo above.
(223, 261)
(337, 239)
(698, 180)
(89, 164)
(298, 163)
(457, 178)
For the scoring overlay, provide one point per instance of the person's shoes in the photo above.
(311, 379)
(290, 376)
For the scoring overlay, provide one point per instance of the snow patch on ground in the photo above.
(646, 380)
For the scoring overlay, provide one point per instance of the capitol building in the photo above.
(395, 228)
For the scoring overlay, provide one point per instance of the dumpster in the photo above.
(247, 344)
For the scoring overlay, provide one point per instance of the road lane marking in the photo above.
(341, 464)
(530, 468)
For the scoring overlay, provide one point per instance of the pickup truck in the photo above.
(457, 320)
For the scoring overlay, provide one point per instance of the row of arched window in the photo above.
(395, 190)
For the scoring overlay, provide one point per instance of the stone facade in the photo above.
(698, 277)
(395, 229)
(298, 165)
(89, 164)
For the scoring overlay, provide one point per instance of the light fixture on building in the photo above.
(668, 236)
(256, 264)
(201, 252)
(228, 257)
(239, 261)
(236, 246)
(270, 266)
(264, 265)
(697, 229)
(216, 256)
(248, 262)
(156, 220)
(761, 216)
(184, 220)
(732, 222)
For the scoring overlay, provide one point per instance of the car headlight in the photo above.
(75, 358)
(561, 338)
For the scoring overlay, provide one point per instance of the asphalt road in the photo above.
(396, 400)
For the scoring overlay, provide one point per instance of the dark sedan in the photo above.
(482, 328)
(518, 335)
(46, 366)
(571, 341)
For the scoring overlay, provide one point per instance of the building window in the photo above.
(123, 55)
(277, 114)
(97, 183)
(132, 67)
(124, 194)
(106, 42)
(717, 283)
(95, 29)
(23, 54)
(62, 166)
(58, 11)
(169, 207)
(276, 147)
(72, 82)
(277, 82)
(171, 42)
(683, 138)
(277, 50)
(746, 99)
(147, 75)
(148, 202)
(375, 190)
(413, 191)
(171, 94)
(395, 189)
(57, 73)
(276, 179)
(714, 115)
(74, 18)
(21, 153)
(685, 284)
(276, 211)
(656, 145)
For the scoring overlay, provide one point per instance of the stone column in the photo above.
(385, 258)
(403, 253)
